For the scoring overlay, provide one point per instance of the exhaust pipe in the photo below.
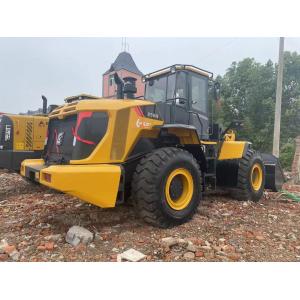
(44, 104)
(120, 86)
(125, 87)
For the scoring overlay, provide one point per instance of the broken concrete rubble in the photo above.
(77, 235)
(131, 255)
(35, 226)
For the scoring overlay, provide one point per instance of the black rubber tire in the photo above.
(148, 186)
(244, 190)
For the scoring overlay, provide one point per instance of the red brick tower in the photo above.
(125, 66)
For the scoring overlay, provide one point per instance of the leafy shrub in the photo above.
(287, 153)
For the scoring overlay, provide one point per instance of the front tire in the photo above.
(250, 177)
(166, 187)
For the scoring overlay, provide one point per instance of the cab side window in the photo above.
(171, 87)
(198, 92)
(181, 86)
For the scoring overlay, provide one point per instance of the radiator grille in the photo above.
(120, 134)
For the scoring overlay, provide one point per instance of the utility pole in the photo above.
(276, 138)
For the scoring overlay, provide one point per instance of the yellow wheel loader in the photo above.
(22, 137)
(163, 151)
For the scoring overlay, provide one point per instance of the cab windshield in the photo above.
(167, 87)
(175, 86)
(156, 89)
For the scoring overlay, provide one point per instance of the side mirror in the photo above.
(217, 91)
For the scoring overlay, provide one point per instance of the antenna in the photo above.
(122, 47)
(125, 45)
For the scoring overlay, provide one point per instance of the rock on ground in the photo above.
(77, 235)
(131, 255)
(169, 241)
(189, 255)
(3, 245)
(191, 248)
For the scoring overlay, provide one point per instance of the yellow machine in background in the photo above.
(163, 152)
(21, 137)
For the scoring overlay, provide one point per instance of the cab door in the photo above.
(179, 99)
(198, 104)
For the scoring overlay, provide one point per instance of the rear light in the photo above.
(47, 177)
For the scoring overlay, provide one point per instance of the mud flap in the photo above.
(274, 173)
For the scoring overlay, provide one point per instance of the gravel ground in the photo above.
(34, 222)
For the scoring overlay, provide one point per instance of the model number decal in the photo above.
(7, 135)
(152, 115)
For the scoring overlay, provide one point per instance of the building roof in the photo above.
(126, 62)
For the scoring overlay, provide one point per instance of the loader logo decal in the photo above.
(60, 138)
(142, 124)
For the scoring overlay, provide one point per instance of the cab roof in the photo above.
(178, 67)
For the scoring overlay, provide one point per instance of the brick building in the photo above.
(125, 66)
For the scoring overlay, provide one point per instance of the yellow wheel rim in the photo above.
(256, 176)
(179, 189)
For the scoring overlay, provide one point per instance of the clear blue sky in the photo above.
(60, 67)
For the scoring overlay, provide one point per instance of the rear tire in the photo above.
(250, 177)
(166, 187)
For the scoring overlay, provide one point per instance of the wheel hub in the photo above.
(256, 176)
(179, 189)
(176, 188)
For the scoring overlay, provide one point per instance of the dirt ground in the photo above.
(34, 222)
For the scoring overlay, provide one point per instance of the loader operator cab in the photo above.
(181, 94)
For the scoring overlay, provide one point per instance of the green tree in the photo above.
(290, 120)
(248, 94)
(247, 90)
